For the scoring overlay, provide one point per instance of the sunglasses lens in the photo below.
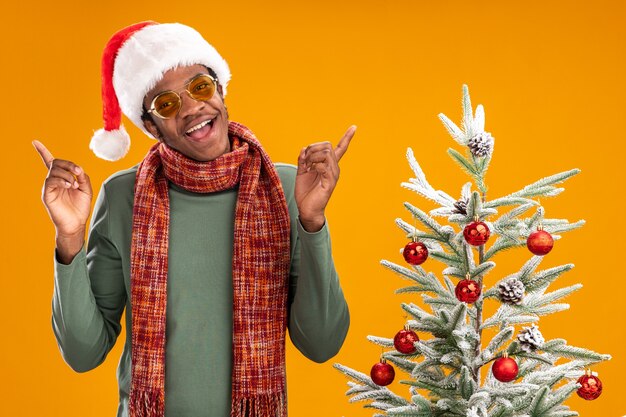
(167, 104)
(202, 88)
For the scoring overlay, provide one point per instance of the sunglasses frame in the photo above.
(153, 110)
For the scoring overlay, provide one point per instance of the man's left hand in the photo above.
(318, 173)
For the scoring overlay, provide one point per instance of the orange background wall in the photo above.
(550, 75)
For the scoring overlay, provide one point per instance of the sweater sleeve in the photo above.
(89, 297)
(319, 316)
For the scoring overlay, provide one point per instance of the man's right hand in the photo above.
(67, 196)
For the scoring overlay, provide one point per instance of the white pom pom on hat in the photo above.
(133, 62)
(110, 144)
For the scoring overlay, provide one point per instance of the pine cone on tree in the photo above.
(530, 338)
(460, 206)
(511, 291)
(481, 144)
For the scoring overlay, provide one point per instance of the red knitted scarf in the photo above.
(260, 273)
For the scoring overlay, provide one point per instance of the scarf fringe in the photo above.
(269, 405)
(147, 404)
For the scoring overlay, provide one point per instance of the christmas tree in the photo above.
(526, 375)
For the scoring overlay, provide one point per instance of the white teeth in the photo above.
(199, 126)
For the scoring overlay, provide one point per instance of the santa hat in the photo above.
(133, 62)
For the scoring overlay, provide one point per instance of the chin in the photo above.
(213, 155)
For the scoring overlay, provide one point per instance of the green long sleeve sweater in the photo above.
(91, 293)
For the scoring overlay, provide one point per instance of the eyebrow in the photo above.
(191, 78)
(186, 82)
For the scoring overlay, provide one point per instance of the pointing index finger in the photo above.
(44, 153)
(342, 146)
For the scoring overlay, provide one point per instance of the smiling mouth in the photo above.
(200, 130)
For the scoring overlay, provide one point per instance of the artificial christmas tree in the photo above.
(443, 372)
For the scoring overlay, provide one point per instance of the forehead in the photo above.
(176, 78)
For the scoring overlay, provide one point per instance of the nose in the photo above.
(189, 106)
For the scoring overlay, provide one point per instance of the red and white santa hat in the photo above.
(134, 60)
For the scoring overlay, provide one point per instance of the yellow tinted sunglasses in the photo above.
(168, 103)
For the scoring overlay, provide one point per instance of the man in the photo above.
(212, 250)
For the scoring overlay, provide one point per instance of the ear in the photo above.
(220, 90)
(152, 128)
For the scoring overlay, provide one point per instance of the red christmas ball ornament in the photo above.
(476, 233)
(591, 386)
(404, 341)
(415, 253)
(504, 369)
(467, 290)
(540, 242)
(382, 373)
